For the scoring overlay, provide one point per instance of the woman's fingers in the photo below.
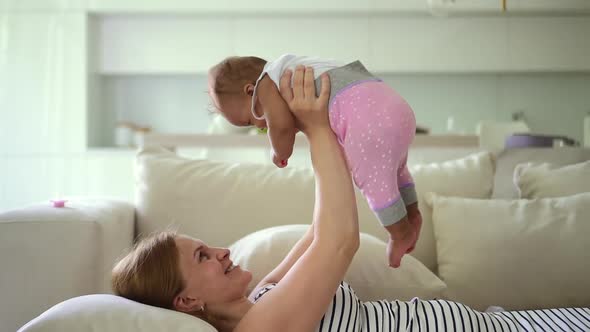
(324, 96)
(309, 84)
(298, 82)
(285, 86)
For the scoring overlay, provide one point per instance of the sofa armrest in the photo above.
(49, 254)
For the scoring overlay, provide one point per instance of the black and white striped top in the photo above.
(347, 313)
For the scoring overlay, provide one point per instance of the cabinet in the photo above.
(152, 69)
(548, 6)
(444, 45)
(548, 44)
(256, 7)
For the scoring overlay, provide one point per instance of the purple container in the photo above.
(533, 140)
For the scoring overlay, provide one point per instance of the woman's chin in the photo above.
(238, 273)
(245, 274)
(247, 277)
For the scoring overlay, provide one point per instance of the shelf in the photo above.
(255, 141)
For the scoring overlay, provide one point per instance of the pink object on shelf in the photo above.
(59, 203)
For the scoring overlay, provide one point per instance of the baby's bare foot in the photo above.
(402, 239)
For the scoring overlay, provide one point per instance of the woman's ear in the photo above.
(187, 304)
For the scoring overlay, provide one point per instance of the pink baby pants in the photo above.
(375, 127)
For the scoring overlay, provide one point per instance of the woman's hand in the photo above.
(311, 112)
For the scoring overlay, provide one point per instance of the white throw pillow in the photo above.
(369, 273)
(110, 313)
(471, 176)
(548, 180)
(517, 254)
(507, 161)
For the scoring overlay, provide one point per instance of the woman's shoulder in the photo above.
(261, 290)
(343, 288)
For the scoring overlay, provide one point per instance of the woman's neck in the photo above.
(226, 317)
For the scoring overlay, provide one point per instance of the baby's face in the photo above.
(237, 112)
(235, 108)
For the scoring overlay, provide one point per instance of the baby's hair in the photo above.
(232, 73)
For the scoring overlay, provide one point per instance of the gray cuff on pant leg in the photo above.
(409, 194)
(392, 214)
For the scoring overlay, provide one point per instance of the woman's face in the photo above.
(208, 273)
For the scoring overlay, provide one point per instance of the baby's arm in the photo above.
(280, 122)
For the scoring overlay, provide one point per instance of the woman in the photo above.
(186, 275)
(304, 292)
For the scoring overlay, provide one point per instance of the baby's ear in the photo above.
(249, 89)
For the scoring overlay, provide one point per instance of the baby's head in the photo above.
(231, 86)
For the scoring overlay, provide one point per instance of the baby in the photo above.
(374, 126)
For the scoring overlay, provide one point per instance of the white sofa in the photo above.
(49, 254)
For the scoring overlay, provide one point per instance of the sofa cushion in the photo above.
(471, 176)
(110, 313)
(507, 161)
(518, 254)
(369, 273)
(547, 180)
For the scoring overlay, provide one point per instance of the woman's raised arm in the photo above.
(302, 296)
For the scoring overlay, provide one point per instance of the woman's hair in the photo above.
(150, 273)
(232, 73)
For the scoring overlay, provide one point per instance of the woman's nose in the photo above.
(223, 253)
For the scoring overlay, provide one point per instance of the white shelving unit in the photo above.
(150, 68)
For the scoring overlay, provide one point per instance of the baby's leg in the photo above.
(373, 164)
(406, 182)
(404, 234)
(375, 127)
(378, 183)
(408, 193)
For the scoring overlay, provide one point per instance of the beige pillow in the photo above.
(110, 313)
(369, 273)
(548, 180)
(518, 254)
(471, 176)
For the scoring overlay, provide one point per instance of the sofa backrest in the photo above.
(220, 202)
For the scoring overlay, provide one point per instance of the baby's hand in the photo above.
(277, 161)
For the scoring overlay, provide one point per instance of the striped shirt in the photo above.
(347, 313)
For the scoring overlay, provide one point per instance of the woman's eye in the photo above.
(202, 256)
